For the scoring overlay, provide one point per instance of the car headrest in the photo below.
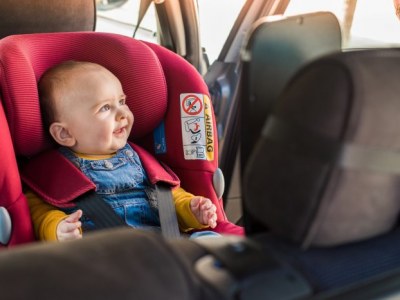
(39, 16)
(24, 58)
(326, 169)
(275, 49)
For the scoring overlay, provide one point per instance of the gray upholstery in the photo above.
(326, 170)
(108, 264)
(39, 16)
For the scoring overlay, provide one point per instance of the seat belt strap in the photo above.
(167, 212)
(104, 216)
(99, 211)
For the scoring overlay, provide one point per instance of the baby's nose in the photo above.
(121, 114)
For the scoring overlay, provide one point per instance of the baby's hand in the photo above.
(204, 210)
(69, 228)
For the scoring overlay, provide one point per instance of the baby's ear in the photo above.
(61, 135)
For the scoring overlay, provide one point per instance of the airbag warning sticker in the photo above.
(197, 127)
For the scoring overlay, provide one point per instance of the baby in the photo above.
(85, 110)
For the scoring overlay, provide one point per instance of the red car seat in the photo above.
(174, 118)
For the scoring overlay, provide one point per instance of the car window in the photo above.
(122, 19)
(121, 16)
(374, 23)
(215, 25)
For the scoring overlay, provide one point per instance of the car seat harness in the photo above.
(60, 183)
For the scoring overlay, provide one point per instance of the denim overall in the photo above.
(122, 182)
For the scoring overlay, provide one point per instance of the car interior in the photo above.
(318, 152)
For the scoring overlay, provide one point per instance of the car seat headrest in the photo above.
(24, 58)
(326, 169)
(39, 16)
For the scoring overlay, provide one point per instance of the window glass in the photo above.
(374, 22)
(216, 18)
(122, 19)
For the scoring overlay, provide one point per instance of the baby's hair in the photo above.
(51, 84)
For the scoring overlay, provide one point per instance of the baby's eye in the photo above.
(105, 108)
(122, 101)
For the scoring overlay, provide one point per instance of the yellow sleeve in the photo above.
(45, 217)
(186, 220)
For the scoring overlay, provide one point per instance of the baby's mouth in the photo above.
(120, 130)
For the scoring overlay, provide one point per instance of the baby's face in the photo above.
(95, 112)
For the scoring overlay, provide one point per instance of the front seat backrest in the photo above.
(39, 16)
(325, 170)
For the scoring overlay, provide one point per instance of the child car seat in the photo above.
(173, 114)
